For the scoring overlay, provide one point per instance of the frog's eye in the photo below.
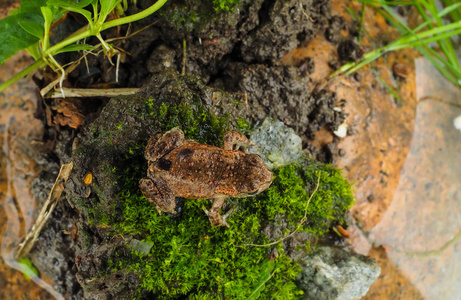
(164, 164)
(253, 159)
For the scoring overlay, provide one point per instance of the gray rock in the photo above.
(276, 143)
(332, 273)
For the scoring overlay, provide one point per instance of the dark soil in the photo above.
(238, 52)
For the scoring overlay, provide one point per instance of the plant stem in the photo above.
(135, 17)
(37, 64)
(70, 40)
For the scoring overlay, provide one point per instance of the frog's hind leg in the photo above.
(160, 145)
(234, 140)
(214, 216)
(159, 194)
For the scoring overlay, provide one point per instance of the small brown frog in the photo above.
(185, 168)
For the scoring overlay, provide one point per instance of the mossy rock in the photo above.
(125, 249)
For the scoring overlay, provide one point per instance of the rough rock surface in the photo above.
(286, 19)
(237, 52)
(332, 273)
(276, 143)
(257, 31)
(281, 92)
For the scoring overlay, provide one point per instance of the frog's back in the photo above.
(195, 170)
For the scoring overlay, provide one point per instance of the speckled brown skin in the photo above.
(185, 168)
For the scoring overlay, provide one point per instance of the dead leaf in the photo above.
(69, 112)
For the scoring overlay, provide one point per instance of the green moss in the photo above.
(186, 16)
(196, 122)
(292, 188)
(243, 125)
(191, 258)
(225, 5)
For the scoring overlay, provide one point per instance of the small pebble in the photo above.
(457, 123)
(88, 179)
(342, 131)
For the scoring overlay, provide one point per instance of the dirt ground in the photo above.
(276, 55)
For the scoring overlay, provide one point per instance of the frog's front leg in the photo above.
(214, 216)
(159, 194)
(234, 140)
(160, 145)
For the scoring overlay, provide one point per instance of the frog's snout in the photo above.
(264, 180)
(267, 183)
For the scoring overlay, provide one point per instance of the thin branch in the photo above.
(135, 17)
(184, 57)
(304, 219)
(83, 93)
(50, 203)
(37, 64)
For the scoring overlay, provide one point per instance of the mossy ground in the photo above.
(198, 13)
(224, 5)
(191, 258)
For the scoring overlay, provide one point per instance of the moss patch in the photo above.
(197, 124)
(293, 186)
(224, 5)
(190, 257)
(197, 13)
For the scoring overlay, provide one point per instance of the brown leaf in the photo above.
(68, 112)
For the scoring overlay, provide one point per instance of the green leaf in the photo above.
(13, 36)
(32, 23)
(75, 47)
(35, 29)
(48, 14)
(61, 12)
(106, 7)
(71, 5)
(264, 276)
(28, 269)
(15, 12)
(31, 6)
(142, 247)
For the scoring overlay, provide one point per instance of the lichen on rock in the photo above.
(276, 143)
(332, 273)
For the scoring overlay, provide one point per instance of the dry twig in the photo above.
(50, 203)
(304, 219)
(74, 92)
(184, 57)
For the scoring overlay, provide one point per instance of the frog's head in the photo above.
(255, 177)
(158, 197)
